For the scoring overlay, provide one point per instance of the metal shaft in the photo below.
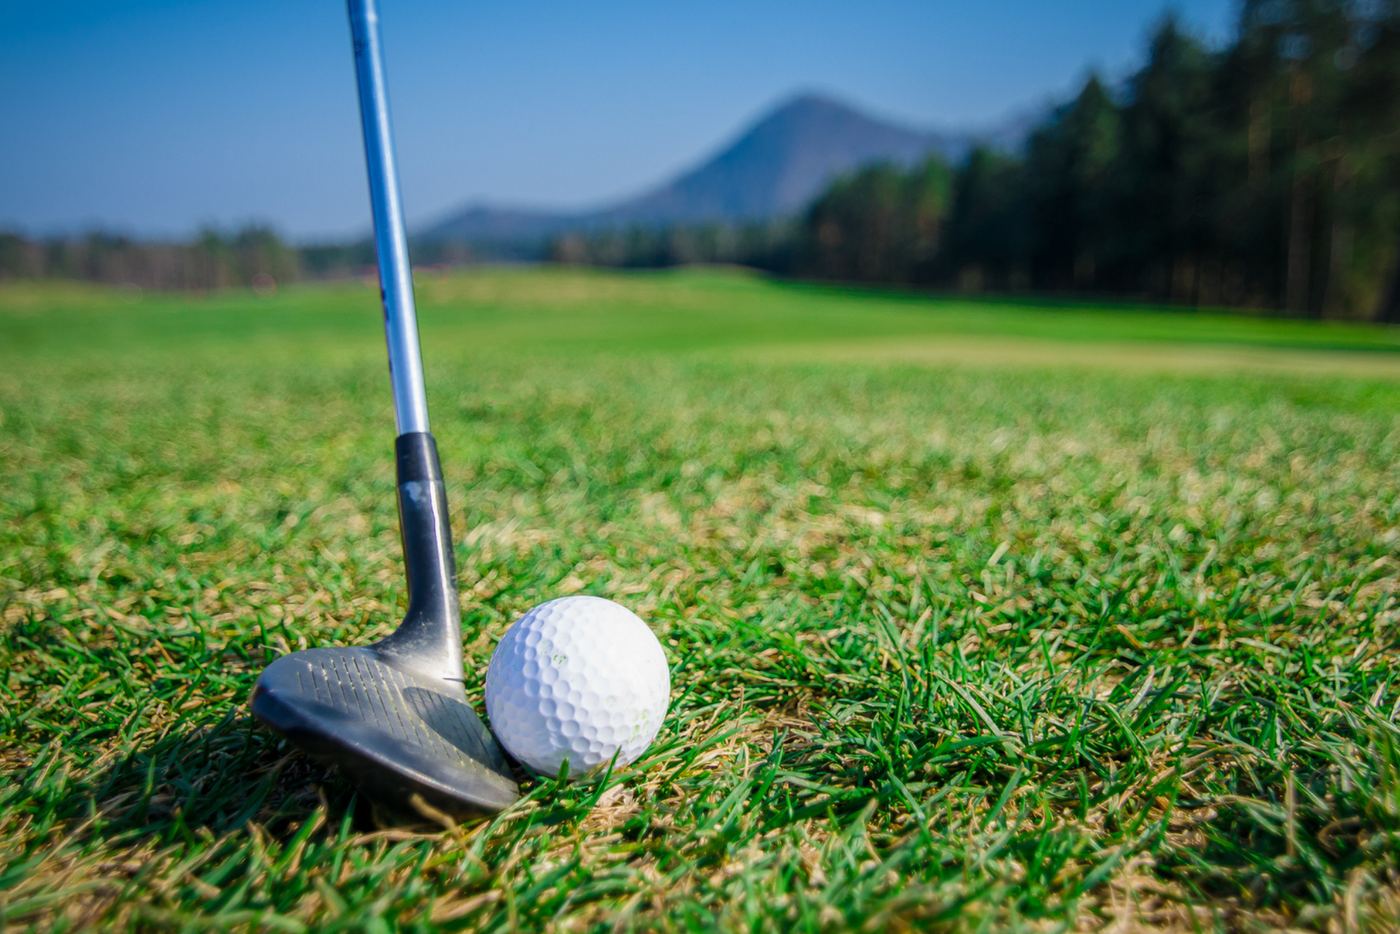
(390, 240)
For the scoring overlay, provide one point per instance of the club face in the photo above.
(397, 732)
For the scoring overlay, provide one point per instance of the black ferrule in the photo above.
(431, 629)
(417, 457)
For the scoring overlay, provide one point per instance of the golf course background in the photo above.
(1009, 614)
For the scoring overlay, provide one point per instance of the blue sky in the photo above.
(156, 117)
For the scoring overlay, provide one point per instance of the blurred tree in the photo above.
(258, 252)
(987, 226)
(929, 196)
(1166, 181)
(1069, 181)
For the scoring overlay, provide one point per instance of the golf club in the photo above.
(394, 715)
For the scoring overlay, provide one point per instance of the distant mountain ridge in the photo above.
(781, 163)
(773, 169)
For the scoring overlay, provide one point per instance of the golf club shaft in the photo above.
(430, 637)
(391, 243)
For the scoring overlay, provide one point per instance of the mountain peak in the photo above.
(779, 164)
(813, 103)
(771, 169)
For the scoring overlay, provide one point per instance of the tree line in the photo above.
(763, 245)
(254, 256)
(1262, 174)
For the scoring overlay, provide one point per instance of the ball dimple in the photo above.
(579, 678)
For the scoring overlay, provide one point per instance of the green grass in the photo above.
(981, 616)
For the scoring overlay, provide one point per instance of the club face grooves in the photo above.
(394, 731)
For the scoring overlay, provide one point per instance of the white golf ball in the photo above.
(578, 678)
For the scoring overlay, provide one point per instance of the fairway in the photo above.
(981, 614)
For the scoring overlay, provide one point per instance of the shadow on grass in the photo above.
(204, 779)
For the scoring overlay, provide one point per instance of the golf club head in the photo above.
(394, 715)
(396, 733)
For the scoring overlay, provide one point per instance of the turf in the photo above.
(981, 616)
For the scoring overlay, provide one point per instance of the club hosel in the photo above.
(431, 634)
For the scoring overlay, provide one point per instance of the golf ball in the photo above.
(578, 678)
